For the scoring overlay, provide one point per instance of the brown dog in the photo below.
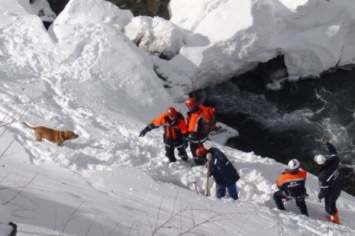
(55, 136)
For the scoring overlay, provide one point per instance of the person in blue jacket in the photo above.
(329, 181)
(222, 170)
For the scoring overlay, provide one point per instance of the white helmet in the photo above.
(293, 165)
(320, 159)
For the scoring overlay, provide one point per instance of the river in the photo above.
(290, 122)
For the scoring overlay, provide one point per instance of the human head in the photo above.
(190, 103)
(201, 151)
(293, 166)
(320, 159)
(171, 113)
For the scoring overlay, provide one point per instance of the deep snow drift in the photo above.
(86, 75)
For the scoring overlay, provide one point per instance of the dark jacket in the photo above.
(329, 179)
(221, 168)
(292, 185)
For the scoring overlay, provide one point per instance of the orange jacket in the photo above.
(172, 129)
(193, 119)
(197, 127)
(292, 184)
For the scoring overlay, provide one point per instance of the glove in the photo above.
(287, 198)
(209, 156)
(325, 140)
(144, 131)
(319, 200)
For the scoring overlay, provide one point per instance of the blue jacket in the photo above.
(221, 168)
(329, 179)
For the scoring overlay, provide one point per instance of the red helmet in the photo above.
(172, 112)
(201, 151)
(190, 103)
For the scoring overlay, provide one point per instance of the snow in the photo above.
(320, 31)
(86, 75)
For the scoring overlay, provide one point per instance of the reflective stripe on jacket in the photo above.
(292, 184)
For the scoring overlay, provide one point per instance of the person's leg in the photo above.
(169, 153)
(193, 147)
(334, 218)
(182, 153)
(301, 203)
(333, 211)
(278, 196)
(326, 205)
(232, 191)
(221, 191)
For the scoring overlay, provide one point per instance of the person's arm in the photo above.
(147, 129)
(280, 181)
(324, 188)
(156, 122)
(331, 149)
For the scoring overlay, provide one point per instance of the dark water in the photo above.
(290, 122)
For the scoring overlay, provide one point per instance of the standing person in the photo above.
(291, 184)
(200, 122)
(174, 131)
(222, 170)
(329, 181)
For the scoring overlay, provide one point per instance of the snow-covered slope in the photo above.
(87, 76)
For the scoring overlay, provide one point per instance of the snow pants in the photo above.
(232, 191)
(330, 204)
(300, 202)
(169, 152)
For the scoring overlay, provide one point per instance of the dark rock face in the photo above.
(57, 5)
(138, 7)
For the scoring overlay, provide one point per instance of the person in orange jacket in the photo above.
(174, 131)
(291, 184)
(198, 128)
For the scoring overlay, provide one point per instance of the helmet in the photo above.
(190, 103)
(200, 151)
(293, 166)
(172, 112)
(320, 159)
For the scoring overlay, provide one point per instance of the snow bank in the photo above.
(311, 34)
(155, 35)
(93, 79)
(111, 67)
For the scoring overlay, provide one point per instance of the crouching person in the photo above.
(292, 185)
(222, 170)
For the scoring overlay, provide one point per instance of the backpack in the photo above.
(208, 118)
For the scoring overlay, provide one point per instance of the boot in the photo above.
(334, 218)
